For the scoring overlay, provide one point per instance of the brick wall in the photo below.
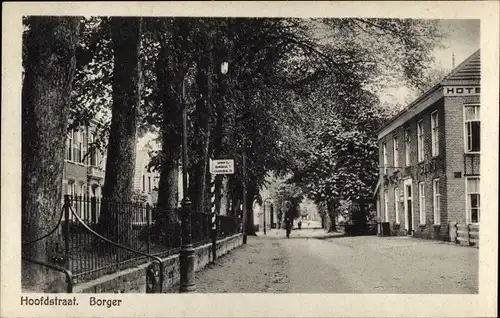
(455, 156)
(425, 172)
(451, 160)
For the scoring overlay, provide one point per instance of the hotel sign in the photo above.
(461, 90)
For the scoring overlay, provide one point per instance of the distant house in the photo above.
(84, 168)
(145, 182)
(84, 172)
(429, 183)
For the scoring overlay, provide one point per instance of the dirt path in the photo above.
(258, 267)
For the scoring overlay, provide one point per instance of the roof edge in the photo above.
(410, 106)
(442, 82)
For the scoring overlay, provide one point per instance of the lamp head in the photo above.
(224, 67)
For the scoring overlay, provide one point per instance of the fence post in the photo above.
(66, 230)
(148, 224)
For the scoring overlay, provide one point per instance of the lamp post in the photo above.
(186, 257)
(245, 212)
(224, 67)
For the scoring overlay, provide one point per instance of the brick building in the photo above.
(429, 155)
(84, 172)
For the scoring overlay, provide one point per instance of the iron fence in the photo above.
(141, 227)
(127, 224)
(201, 226)
(228, 225)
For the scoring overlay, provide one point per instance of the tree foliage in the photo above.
(299, 97)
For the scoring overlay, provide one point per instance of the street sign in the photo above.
(222, 166)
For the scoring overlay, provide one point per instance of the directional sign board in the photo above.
(222, 166)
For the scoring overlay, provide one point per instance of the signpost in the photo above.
(217, 167)
(224, 166)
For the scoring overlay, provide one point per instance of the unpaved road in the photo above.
(309, 262)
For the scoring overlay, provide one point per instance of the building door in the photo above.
(272, 217)
(379, 217)
(408, 204)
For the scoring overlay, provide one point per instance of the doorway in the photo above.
(408, 205)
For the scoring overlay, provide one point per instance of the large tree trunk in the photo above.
(331, 207)
(50, 67)
(235, 192)
(170, 72)
(115, 220)
(201, 140)
(170, 89)
(224, 196)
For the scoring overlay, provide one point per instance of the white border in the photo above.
(258, 305)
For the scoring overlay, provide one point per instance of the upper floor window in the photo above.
(472, 128)
(149, 183)
(435, 133)
(384, 154)
(92, 150)
(396, 152)
(81, 147)
(143, 183)
(407, 147)
(420, 140)
(473, 206)
(70, 145)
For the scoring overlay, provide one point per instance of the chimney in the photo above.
(453, 60)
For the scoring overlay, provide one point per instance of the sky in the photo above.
(463, 40)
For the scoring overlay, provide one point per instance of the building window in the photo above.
(149, 183)
(384, 154)
(420, 140)
(436, 201)
(386, 206)
(407, 147)
(70, 145)
(473, 205)
(143, 183)
(82, 190)
(92, 150)
(396, 204)
(435, 133)
(472, 128)
(421, 193)
(81, 145)
(71, 189)
(396, 152)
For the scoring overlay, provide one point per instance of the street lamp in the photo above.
(186, 257)
(224, 67)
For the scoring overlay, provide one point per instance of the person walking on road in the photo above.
(288, 218)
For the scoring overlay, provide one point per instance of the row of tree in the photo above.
(297, 99)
